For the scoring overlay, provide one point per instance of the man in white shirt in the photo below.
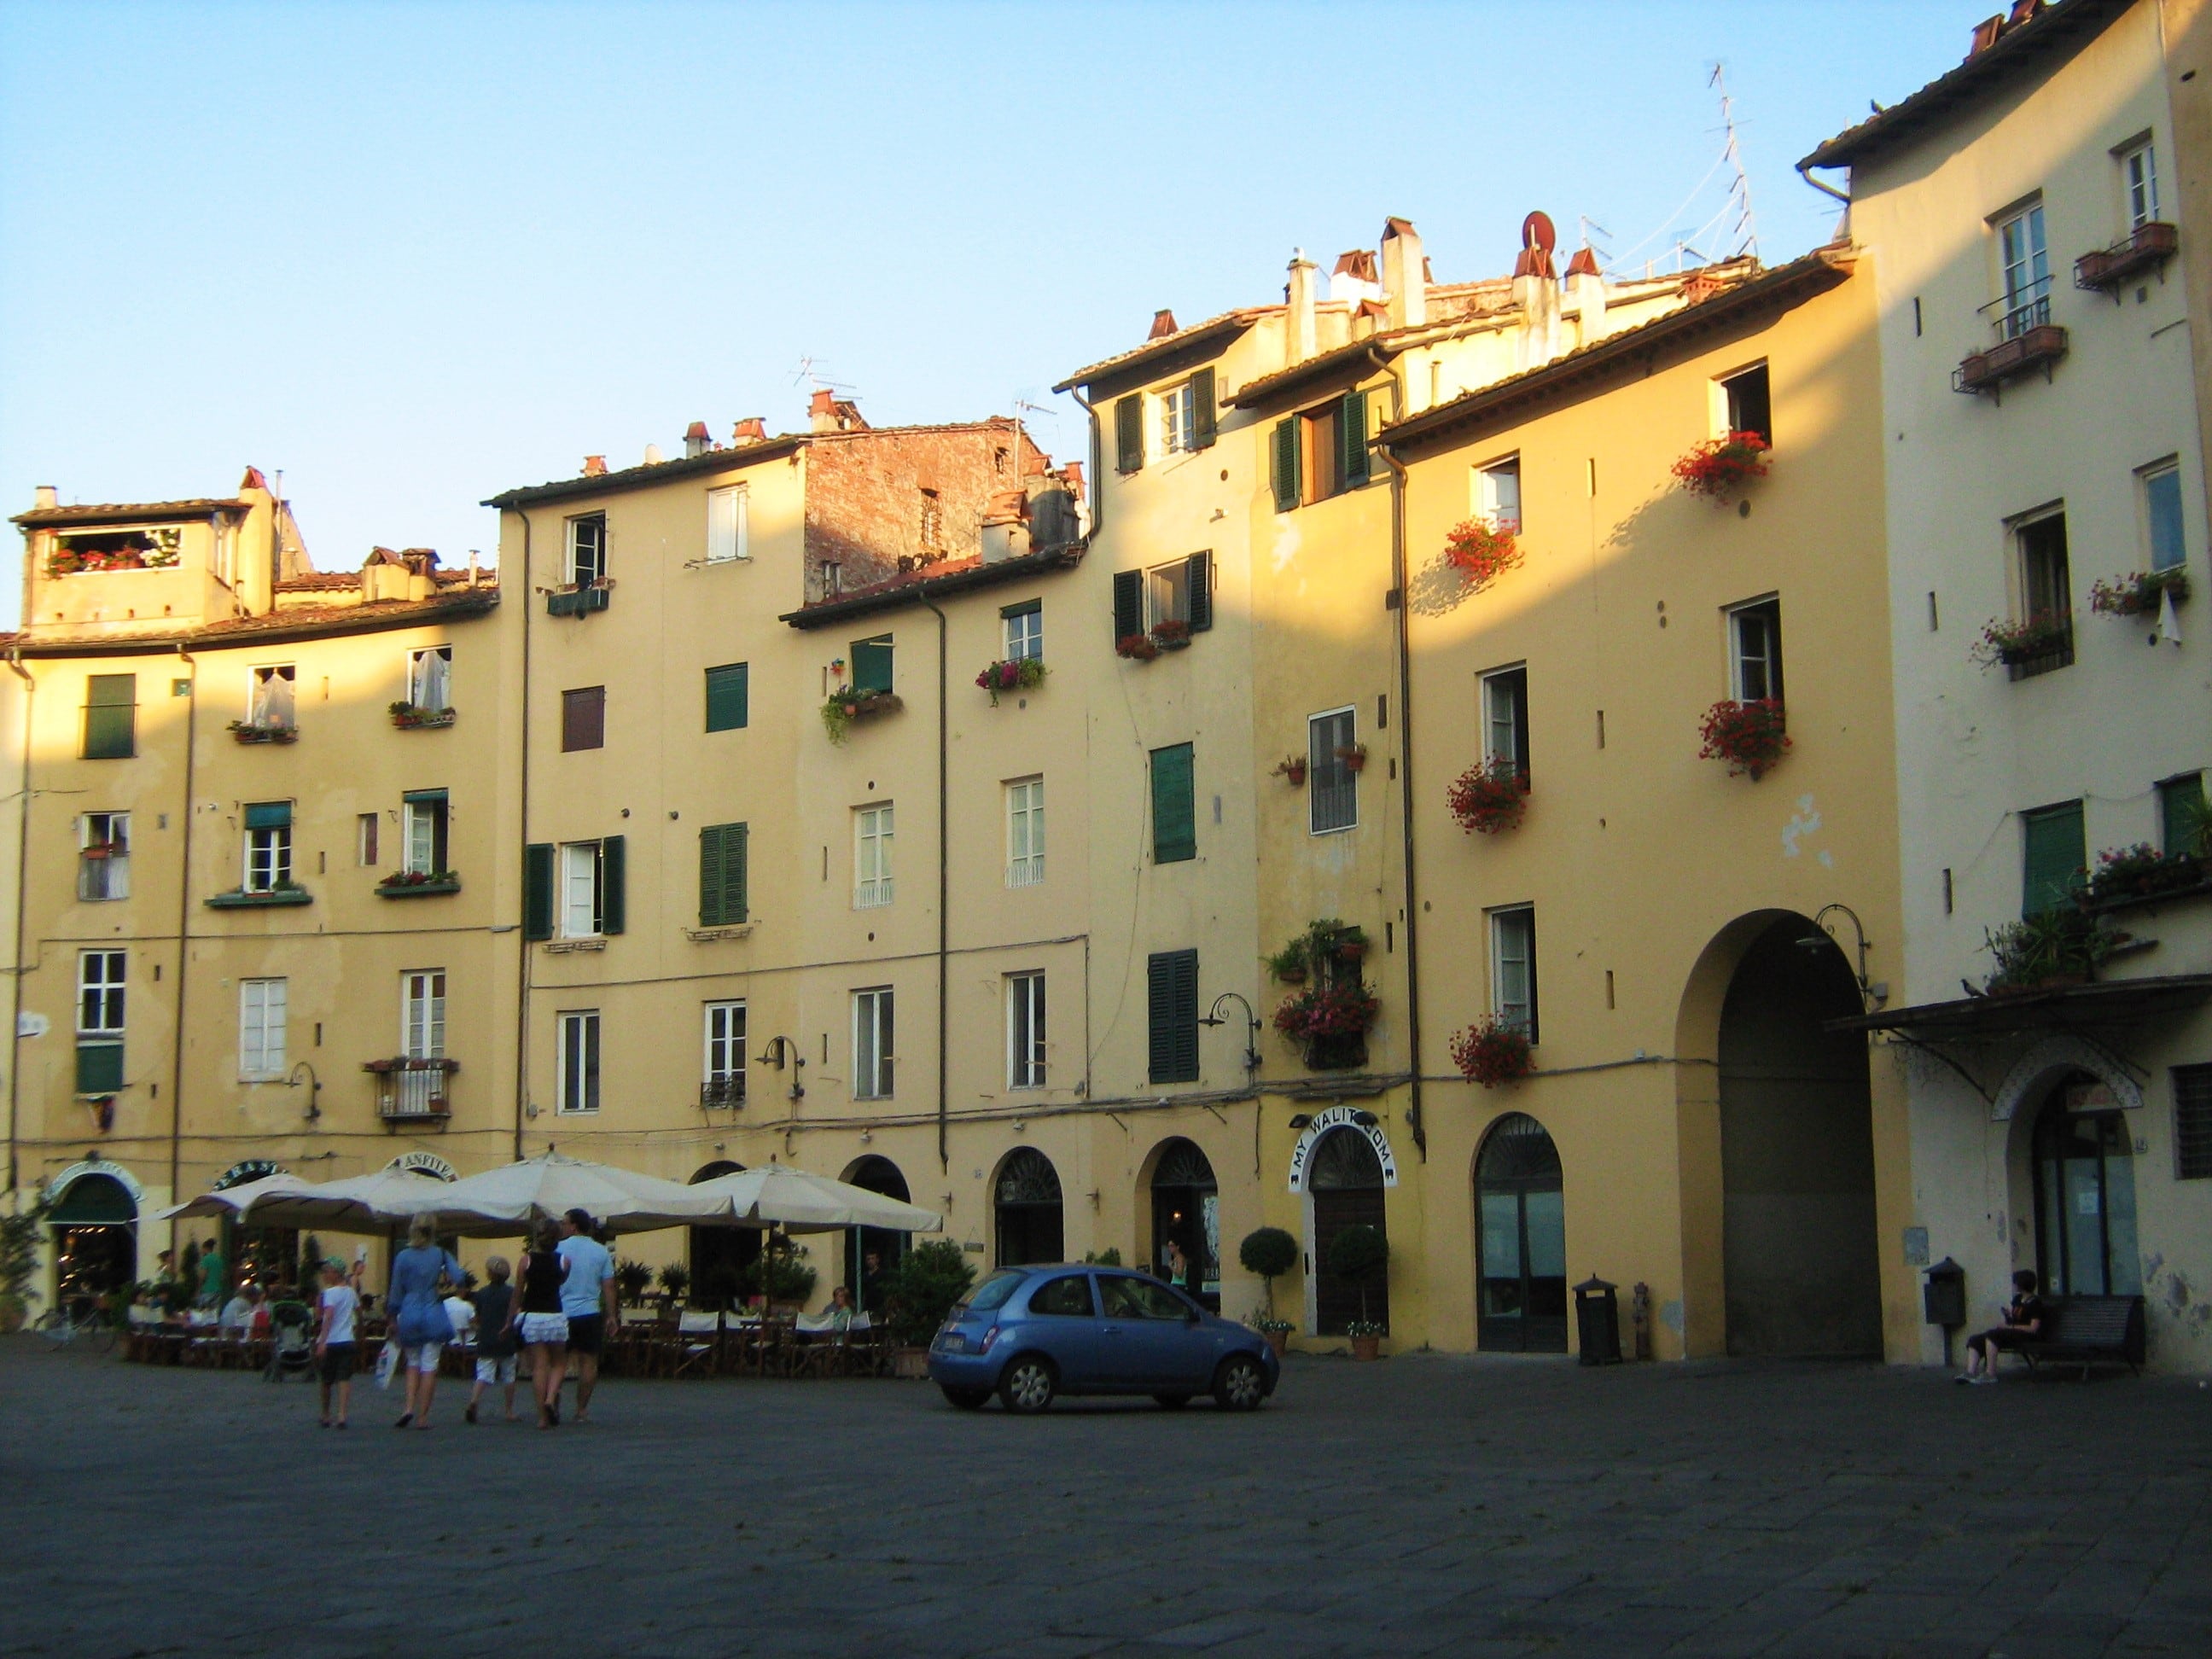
(587, 1298)
(461, 1313)
(238, 1312)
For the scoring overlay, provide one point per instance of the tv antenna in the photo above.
(1744, 232)
(1595, 236)
(808, 369)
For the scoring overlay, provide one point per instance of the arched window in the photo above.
(1027, 1201)
(1187, 1210)
(871, 1253)
(1345, 1184)
(1521, 1305)
(2084, 1200)
(721, 1257)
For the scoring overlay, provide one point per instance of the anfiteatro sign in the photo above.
(1341, 1117)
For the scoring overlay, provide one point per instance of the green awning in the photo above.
(94, 1200)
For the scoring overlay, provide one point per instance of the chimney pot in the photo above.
(822, 410)
(696, 440)
(752, 429)
(1404, 281)
(1299, 296)
(1164, 323)
(48, 495)
(595, 466)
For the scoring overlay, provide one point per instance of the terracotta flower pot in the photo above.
(1280, 1341)
(912, 1364)
(1366, 1347)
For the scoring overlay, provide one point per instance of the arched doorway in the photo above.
(1799, 1255)
(1522, 1304)
(720, 1257)
(2085, 1195)
(1344, 1181)
(95, 1221)
(257, 1255)
(871, 1252)
(1026, 1197)
(1187, 1209)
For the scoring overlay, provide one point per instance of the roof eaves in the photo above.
(897, 595)
(271, 628)
(1227, 325)
(633, 477)
(1389, 343)
(129, 512)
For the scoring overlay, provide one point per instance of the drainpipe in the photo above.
(1402, 640)
(1827, 190)
(943, 882)
(184, 943)
(22, 872)
(1097, 463)
(522, 933)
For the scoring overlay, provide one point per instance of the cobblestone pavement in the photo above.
(1426, 1504)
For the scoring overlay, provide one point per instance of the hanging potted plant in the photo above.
(1482, 551)
(1750, 737)
(1270, 1252)
(2140, 593)
(1018, 674)
(1172, 634)
(1487, 799)
(1720, 468)
(1292, 769)
(1358, 1254)
(1331, 1020)
(1288, 965)
(1138, 647)
(1493, 1051)
(2013, 643)
(1354, 756)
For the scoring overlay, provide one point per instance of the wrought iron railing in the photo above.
(409, 1088)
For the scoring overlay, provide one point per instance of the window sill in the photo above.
(246, 732)
(562, 947)
(709, 935)
(398, 890)
(419, 720)
(2146, 900)
(277, 899)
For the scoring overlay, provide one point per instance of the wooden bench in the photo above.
(2088, 1330)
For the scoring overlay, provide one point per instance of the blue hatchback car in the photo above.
(1028, 1333)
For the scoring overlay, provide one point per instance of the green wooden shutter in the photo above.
(1175, 817)
(2182, 816)
(1282, 464)
(1171, 1011)
(722, 875)
(111, 716)
(537, 890)
(1128, 604)
(2056, 849)
(613, 861)
(1352, 433)
(99, 1068)
(1129, 432)
(1201, 592)
(1205, 417)
(872, 663)
(726, 697)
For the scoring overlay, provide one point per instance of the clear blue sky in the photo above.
(412, 255)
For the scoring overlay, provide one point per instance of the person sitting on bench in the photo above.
(2024, 1317)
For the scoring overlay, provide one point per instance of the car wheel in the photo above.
(967, 1399)
(1028, 1384)
(1239, 1385)
(1174, 1402)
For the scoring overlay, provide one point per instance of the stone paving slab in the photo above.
(1430, 1504)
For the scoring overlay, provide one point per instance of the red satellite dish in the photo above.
(1536, 231)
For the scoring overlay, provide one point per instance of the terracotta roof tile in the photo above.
(125, 512)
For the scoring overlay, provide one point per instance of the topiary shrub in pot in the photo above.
(1270, 1252)
(929, 1282)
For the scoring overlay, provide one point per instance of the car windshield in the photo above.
(1140, 1298)
(991, 1293)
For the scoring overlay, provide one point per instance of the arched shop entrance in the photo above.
(2085, 1195)
(94, 1220)
(720, 1257)
(257, 1255)
(871, 1252)
(1343, 1184)
(1026, 1200)
(1799, 1251)
(1521, 1305)
(1187, 1209)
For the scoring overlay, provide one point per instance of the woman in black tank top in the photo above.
(538, 1312)
(541, 1282)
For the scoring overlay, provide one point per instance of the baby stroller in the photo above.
(292, 1348)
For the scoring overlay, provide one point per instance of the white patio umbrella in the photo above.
(776, 1196)
(505, 1200)
(236, 1202)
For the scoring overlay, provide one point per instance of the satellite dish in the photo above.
(1536, 231)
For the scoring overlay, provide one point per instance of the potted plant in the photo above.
(1348, 942)
(780, 1275)
(632, 1281)
(1332, 1021)
(1288, 965)
(1358, 1253)
(2041, 953)
(20, 1236)
(1719, 467)
(1292, 768)
(2141, 871)
(1018, 674)
(2140, 593)
(1482, 551)
(930, 1280)
(1171, 634)
(1138, 647)
(1750, 737)
(675, 1280)
(408, 883)
(2013, 643)
(1270, 1252)
(406, 715)
(1493, 1051)
(1354, 756)
(257, 732)
(1490, 798)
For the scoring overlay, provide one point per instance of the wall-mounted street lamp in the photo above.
(778, 1049)
(1875, 995)
(1252, 1034)
(314, 1089)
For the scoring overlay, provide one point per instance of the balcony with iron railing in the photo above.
(2026, 340)
(725, 1092)
(2147, 247)
(413, 1092)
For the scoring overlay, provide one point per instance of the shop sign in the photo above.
(428, 1164)
(252, 1168)
(62, 1183)
(1342, 1117)
(2091, 1098)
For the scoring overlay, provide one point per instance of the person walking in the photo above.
(494, 1308)
(544, 1327)
(334, 1341)
(587, 1298)
(418, 1314)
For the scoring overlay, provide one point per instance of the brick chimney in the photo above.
(1299, 293)
(1405, 275)
(1586, 293)
(46, 497)
(696, 440)
(753, 429)
(822, 410)
(595, 466)
(1164, 323)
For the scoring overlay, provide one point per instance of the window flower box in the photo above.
(1016, 674)
(579, 599)
(1482, 551)
(1720, 469)
(2036, 347)
(282, 894)
(2140, 592)
(2104, 270)
(1331, 1020)
(1171, 634)
(418, 884)
(1491, 1052)
(2041, 642)
(1138, 647)
(1750, 737)
(1291, 769)
(408, 718)
(1488, 800)
(2131, 875)
(254, 732)
(848, 704)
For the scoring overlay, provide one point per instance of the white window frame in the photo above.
(1512, 929)
(722, 1044)
(874, 833)
(1025, 1029)
(2139, 184)
(268, 863)
(583, 889)
(576, 1062)
(420, 821)
(1026, 831)
(2023, 275)
(262, 1012)
(729, 524)
(1316, 789)
(430, 678)
(101, 988)
(573, 573)
(1500, 713)
(1167, 592)
(2145, 477)
(875, 1036)
(1771, 662)
(1024, 635)
(1496, 487)
(422, 1013)
(112, 870)
(1178, 406)
(272, 695)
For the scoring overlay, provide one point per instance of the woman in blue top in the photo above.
(417, 1308)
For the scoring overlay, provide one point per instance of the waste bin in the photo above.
(1943, 1299)
(1597, 1322)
